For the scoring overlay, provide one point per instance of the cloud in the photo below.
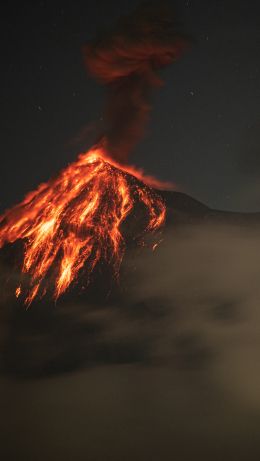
(172, 356)
(191, 305)
(208, 277)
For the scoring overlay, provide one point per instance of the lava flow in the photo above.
(74, 221)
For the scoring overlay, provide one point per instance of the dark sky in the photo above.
(204, 128)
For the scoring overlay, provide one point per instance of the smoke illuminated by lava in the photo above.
(127, 60)
(74, 221)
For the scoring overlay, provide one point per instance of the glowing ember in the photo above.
(74, 220)
(18, 292)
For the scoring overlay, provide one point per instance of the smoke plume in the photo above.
(127, 60)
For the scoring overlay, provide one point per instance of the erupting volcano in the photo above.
(75, 220)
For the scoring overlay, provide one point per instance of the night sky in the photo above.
(204, 128)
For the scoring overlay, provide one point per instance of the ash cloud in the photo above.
(127, 61)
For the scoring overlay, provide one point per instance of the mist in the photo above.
(170, 367)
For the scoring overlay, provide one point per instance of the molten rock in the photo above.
(74, 221)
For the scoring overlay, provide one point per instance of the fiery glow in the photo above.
(18, 292)
(74, 220)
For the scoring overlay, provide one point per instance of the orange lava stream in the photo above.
(74, 220)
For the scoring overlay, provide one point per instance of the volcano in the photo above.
(87, 217)
(74, 221)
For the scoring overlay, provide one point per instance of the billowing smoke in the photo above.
(127, 60)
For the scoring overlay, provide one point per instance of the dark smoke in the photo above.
(127, 60)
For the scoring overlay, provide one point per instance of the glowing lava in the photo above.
(74, 221)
